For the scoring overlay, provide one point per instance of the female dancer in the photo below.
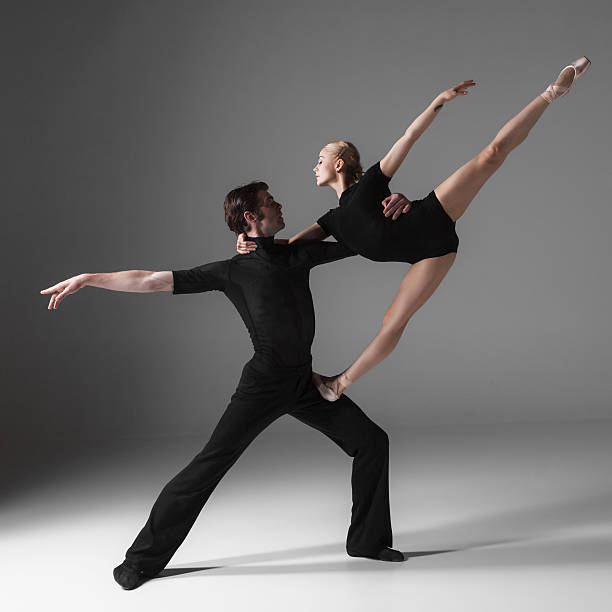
(424, 232)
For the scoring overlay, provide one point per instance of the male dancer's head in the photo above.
(252, 209)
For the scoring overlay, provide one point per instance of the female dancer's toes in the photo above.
(567, 77)
(326, 386)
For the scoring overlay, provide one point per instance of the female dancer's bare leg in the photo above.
(459, 189)
(422, 279)
(417, 286)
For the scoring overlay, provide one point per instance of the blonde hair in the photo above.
(348, 153)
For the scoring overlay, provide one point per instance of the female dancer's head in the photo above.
(336, 159)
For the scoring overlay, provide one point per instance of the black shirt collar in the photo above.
(265, 243)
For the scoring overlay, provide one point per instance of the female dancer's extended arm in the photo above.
(390, 163)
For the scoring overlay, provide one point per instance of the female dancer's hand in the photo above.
(244, 246)
(61, 290)
(396, 204)
(458, 90)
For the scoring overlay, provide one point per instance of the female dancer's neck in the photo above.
(341, 184)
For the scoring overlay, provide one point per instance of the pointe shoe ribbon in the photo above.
(323, 389)
(553, 91)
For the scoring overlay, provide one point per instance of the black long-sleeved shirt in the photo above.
(269, 288)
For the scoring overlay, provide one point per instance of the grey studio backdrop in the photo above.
(127, 122)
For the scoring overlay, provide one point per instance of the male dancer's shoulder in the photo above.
(211, 276)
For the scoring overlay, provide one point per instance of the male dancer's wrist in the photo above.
(87, 279)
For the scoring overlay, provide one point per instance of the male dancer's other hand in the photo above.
(66, 287)
(396, 204)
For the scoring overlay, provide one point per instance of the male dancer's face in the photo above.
(270, 218)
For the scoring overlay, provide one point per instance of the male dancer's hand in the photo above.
(396, 204)
(66, 287)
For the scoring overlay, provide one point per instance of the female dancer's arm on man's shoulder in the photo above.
(310, 234)
(314, 232)
(390, 163)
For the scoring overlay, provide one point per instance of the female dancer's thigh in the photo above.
(461, 187)
(417, 286)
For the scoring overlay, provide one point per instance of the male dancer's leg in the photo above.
(358, 436)
(182, 499)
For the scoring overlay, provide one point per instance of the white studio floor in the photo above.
(503, 518)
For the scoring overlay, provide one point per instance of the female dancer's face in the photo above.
(325, 168)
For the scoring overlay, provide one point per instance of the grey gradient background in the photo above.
(127, 123)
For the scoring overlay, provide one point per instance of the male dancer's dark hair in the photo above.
(240, 200)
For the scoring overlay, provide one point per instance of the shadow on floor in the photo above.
(569, 552)
(562, 534)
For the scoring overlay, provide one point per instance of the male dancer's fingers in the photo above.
(60, 297)
(400, 211)
(52, 303)
(389, 206)
(388, 202)
(394, 212)
(51, 289)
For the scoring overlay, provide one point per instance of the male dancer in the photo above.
(270, 290)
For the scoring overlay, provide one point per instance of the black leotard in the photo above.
(424, 231)
(269, 288)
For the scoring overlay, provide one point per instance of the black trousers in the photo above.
(262, 396)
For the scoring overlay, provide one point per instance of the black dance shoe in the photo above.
(384, 554)
(130, 578)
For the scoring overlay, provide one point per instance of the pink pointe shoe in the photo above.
(554, 90)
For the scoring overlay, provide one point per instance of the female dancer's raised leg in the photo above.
(459, 189)
(455, 195)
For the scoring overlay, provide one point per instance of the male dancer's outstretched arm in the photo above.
(135, 281)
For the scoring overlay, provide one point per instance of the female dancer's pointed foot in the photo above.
(567, 77)
(327, 386)
(384, 554)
